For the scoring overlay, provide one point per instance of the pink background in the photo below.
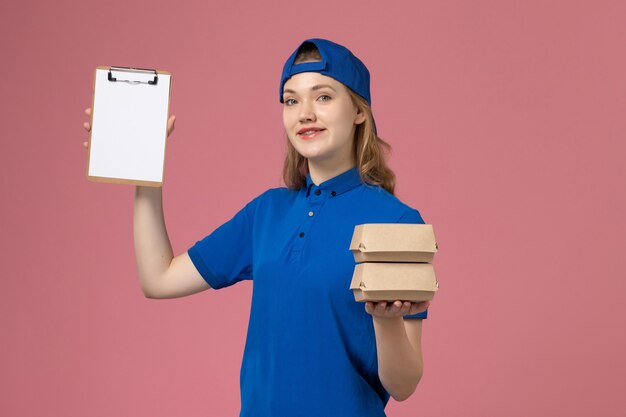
(507, 122)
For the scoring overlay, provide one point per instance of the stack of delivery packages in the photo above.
(393, 262)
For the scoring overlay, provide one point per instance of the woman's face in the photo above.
(319, 117)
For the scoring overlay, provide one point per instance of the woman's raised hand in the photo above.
(87, 125)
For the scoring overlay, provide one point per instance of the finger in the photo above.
(369, 307)
(406, 307)
(87, 126)
(380, 308)
(396, 306)
(88, 111)
(419, 307)
(85, 144)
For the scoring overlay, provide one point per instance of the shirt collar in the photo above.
(338, 184)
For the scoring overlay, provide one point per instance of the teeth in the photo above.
(308, 132)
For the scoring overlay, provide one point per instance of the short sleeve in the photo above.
(413, 216)
(224, 257)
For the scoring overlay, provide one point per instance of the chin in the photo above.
(314, 156)
(311, 154)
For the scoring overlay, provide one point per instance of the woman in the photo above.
(311, 350)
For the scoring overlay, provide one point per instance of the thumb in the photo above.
(170, 125)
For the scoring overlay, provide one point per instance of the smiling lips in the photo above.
(309, 132)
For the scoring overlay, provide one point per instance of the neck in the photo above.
(324, 170)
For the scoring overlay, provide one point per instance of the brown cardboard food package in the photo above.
(379, 281)
(393, 242)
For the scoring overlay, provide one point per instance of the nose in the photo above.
(306, 112)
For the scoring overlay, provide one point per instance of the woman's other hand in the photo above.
(87, 125)
(398, 308)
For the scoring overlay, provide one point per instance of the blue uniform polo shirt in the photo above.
(310, 349)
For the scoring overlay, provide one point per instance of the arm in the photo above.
(399, 341)
(161, 275)
(398, 346)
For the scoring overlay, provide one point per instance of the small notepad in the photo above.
(129, 126)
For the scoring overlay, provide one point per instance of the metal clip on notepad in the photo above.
(133, 71)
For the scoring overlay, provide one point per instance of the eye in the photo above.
(325, 95)
(289, 101)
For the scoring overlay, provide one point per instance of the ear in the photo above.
(360, 117)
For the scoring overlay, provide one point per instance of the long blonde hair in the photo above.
(371, 151)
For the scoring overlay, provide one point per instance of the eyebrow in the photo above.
(315, 87)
